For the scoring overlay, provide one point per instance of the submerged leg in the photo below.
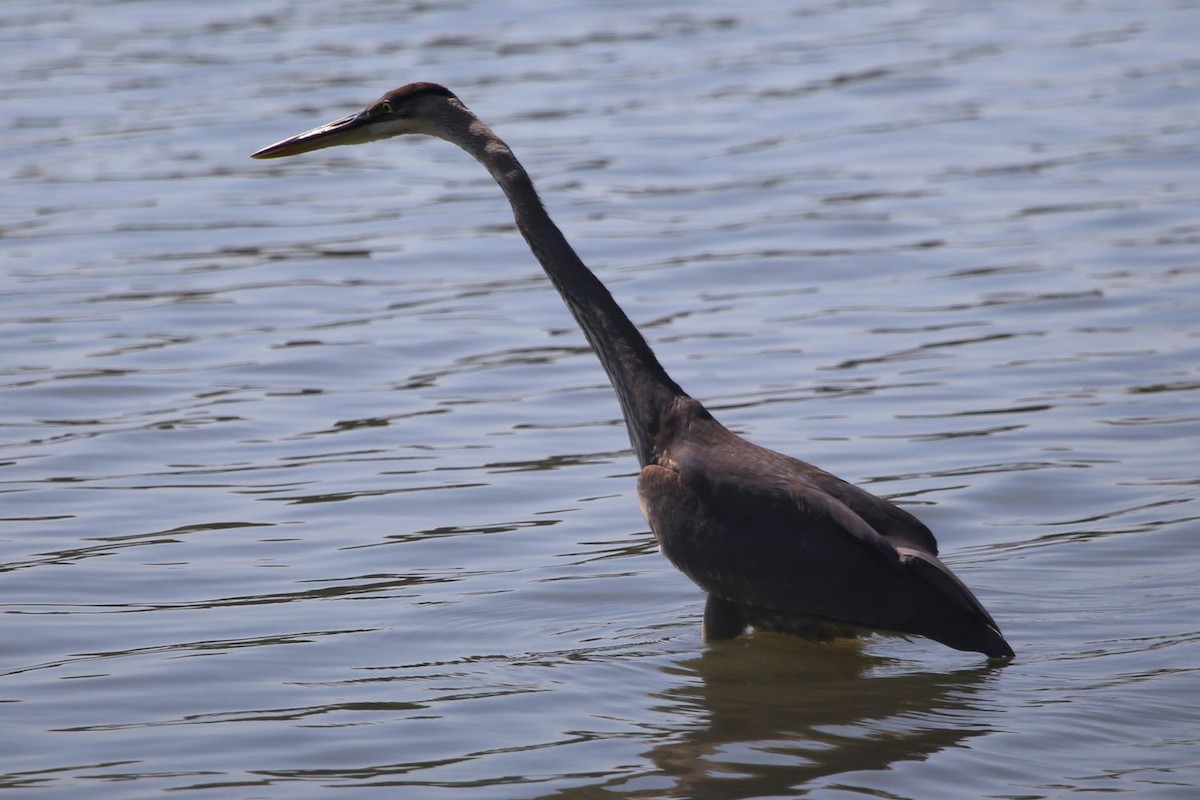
(722, 619)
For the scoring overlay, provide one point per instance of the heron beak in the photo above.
(347, 130)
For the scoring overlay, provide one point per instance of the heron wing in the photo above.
(775, 544)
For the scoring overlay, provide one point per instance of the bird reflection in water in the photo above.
(782, 714)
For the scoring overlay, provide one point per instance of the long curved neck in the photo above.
(643, 387)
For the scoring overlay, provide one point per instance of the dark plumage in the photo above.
(777, 544)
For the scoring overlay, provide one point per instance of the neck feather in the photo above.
(643, 388)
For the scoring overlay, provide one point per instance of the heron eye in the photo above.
(386, 108)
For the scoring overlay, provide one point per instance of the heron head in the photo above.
(414, 108)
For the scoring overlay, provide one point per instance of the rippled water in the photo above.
(310, 484)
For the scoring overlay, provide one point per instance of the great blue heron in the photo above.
(778, 544)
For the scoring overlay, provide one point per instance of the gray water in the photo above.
(311, 488)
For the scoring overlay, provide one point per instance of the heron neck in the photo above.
(643, 387)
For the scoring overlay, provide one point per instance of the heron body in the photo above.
(777, 544)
